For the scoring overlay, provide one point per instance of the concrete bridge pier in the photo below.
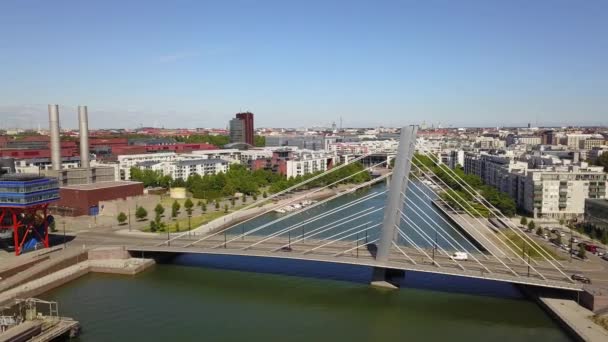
(394, 204)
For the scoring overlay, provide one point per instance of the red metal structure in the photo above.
(28, 222)
(24, 202)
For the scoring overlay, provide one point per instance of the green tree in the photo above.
(175, 208)
(523, 221)
(244, 198)
(177, 226)
(141, 213)
(225, 208)
(217, 205)
(531, 225)
(254, 197)
(602, 160)
(539, 231)
(203, 206)
(121, 218)
(259, 141)
(264, 194)
(188, 205)
(159, 210)
(582, 252)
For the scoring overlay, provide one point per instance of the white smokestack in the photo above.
(54, 130)
(83, 121)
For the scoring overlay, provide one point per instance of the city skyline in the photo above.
(390, 64)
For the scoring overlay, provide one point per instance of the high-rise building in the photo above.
(241, 128)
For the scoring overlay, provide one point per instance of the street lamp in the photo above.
(189, 226)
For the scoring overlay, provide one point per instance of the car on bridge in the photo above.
(460, 256)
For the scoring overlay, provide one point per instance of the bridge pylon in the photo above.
(394, 203)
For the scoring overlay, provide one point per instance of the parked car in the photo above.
(286, 249)
(583, 279)
(605, 257)
(574, 240)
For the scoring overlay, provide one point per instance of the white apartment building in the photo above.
(573, 141)
(557, 191)
(44, 164)
(561, 192)
(231, 155)
(185, 168)
(126, 162)
(307, 165)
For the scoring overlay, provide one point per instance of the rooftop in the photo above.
(100, 185)
(19, 177)
(200, 161)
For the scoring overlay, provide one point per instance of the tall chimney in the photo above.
(83, 121)
(54, 130)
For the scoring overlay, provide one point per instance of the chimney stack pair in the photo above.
(83, 124)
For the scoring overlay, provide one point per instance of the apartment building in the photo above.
(292, 163)
(561, 192)
(550, 191)
(185, 168)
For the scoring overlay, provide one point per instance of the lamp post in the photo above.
(189, 225)
(168, 237)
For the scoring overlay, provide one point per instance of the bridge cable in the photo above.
(298, 212)
(496, 211)
(516, 233)
(325, 173)
(429, 240)
(344, 237)
(417, 211)
(308, 194)
(320, 230)
(483, 235)
(440, 215)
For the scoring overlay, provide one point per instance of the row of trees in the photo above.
(356, 170)
(217, 140)
(459, 196)
(251, 183)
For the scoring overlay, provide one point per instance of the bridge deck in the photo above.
(519, 273)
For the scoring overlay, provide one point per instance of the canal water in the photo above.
(231, 298)
(184, 303)
(425, 219)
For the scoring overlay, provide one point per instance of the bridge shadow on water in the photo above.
(345, 272)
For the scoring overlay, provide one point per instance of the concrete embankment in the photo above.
(34, 269)
(574, 318)
(104, 260)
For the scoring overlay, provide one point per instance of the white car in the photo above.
(460, 256)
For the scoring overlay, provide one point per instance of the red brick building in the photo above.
(77, 200)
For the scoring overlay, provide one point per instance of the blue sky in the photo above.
(303, 63)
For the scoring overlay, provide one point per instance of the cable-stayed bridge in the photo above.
(416, 223)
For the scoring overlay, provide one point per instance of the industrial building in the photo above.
(83, 199)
